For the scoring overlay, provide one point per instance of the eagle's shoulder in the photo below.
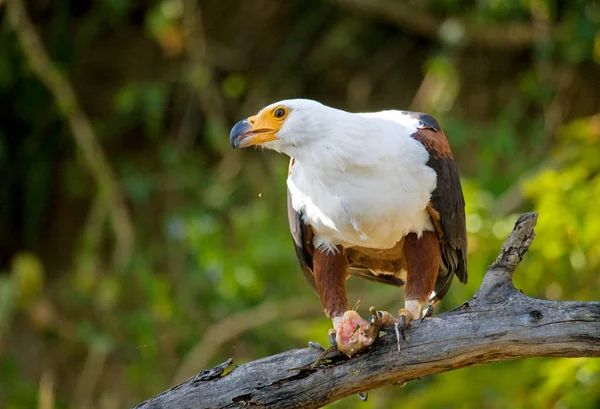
(430, 134)
(425, 120)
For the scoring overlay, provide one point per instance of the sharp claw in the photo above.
(428, 312)
(324, 351)
(333, 341)
(397, 336)
(363, 396)
(374, 324)
(376, 317)
(402, 326)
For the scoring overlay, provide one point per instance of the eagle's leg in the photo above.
(423, 260)
(352, 333)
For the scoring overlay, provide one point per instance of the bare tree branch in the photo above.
(416, 20)
(81, 128)
(498, 324)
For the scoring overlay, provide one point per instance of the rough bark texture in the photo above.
(499, 323)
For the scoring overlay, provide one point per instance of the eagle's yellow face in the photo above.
(260, 128)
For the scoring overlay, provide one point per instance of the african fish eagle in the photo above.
(375, 195)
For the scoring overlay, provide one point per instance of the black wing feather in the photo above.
(447, 199)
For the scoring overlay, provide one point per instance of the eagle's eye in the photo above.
(280, 113)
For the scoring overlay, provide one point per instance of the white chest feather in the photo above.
(371, 197)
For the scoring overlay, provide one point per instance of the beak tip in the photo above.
(237, 131)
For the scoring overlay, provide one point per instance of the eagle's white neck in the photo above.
(349, 143)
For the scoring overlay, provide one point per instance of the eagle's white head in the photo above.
(292, 126)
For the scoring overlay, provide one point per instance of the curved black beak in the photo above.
(238, 132)
(252, 131)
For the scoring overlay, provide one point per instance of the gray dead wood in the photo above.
(498, 324)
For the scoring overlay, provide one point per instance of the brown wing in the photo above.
(302, 234)
(447, 202)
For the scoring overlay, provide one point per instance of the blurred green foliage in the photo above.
(163, 81)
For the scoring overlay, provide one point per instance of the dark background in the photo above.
(137, 248)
